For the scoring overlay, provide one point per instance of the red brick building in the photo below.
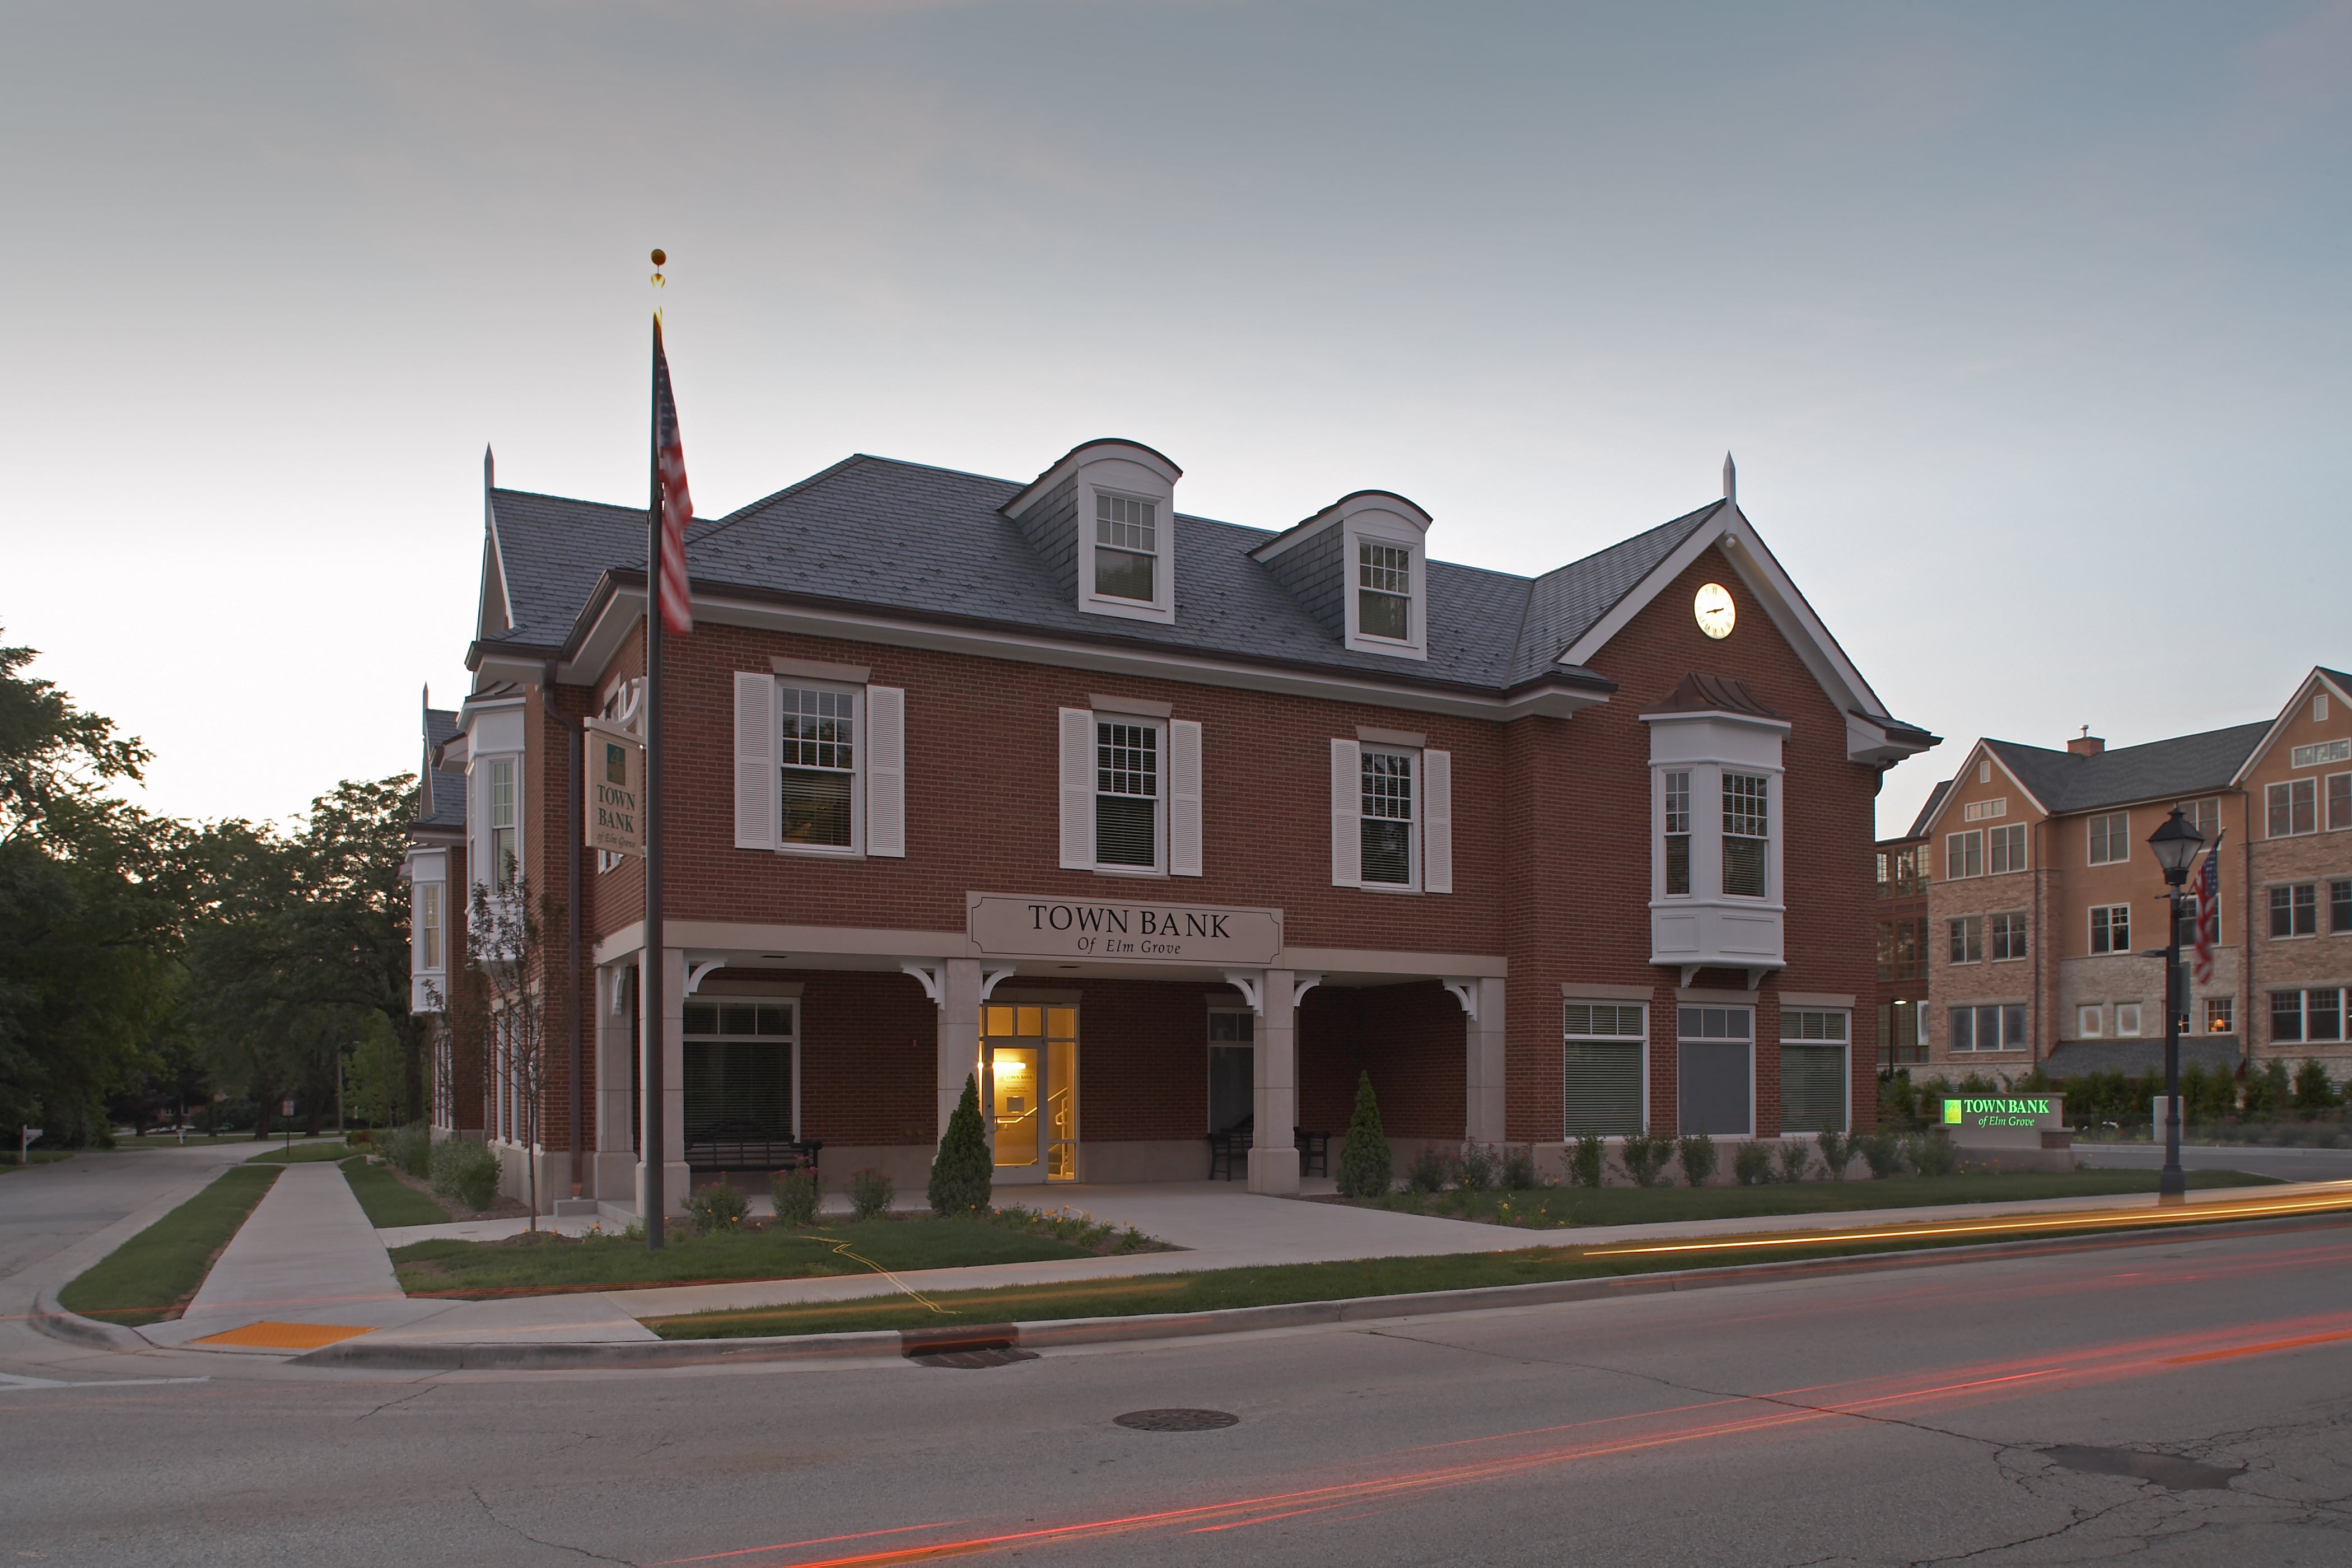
(1174, 825)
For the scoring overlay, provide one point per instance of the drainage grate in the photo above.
(2165, 1470)
(1176, 1420)
(973, 1359)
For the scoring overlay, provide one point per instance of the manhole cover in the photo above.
(973, 1360)
(1177, 1420)
(2166, 1470)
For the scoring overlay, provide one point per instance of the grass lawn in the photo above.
(1212, 1290)
(388, 1200)
(548, 1263)
(301, 1153)
(1550, 1208)
(151, 1277)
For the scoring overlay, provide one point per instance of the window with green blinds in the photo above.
(1813, 1088)
(1602, 1089)
(738, 1069)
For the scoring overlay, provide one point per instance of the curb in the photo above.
(895, 1343)
(48, 1318)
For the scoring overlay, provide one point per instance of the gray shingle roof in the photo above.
(2138, 1058)
(2182, 766)
(1935, 798)
(880, 533)
(442, 803)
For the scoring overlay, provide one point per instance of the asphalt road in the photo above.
(46, 1208)
(1895, 1417)
(2287, 1164)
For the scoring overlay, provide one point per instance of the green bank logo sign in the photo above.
(1996, 1112)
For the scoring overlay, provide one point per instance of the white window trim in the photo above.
(1418, 820)
(2090, 944)
(2091, 1021)
(1992, 957)
(2318, 807)
(417, 925)
(1355, 532)
(2318, 910)
(1846, 1045)
(1160, 800)
(858, 742)
(2134, 1009)
(1983, 936)
(1643, 1042)
(1163, 605)
(2025, 857)
(486, 871)
(2123, 859)
(764, 998)
(1952, 841)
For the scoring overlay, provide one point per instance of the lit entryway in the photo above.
(1033, 1056)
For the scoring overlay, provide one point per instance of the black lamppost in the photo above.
(2175, 843)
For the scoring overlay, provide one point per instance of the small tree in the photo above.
(1364, 1166)
(2266, 1091)
(512, 998)
(964, 1172)
(2313, 1089)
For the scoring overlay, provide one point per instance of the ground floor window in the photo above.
(1813, 1048)
(1605, 1075)
(740, 1069)
(2315, 1015)
(1716, 1077)
(1233, 1075)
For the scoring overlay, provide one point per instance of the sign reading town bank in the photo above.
(615, 785)
(1012, 925)
(2017, 1121)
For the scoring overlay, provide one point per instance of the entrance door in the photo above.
(1231, 1070)
(1033, 1054)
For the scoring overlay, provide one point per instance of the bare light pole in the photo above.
(2175, 844)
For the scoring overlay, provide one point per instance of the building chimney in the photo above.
(2086, 744)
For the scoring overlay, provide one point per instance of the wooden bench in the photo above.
(741, 1146)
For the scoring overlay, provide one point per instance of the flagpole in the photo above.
(654, 967)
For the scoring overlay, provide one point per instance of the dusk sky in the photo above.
(2030, 326)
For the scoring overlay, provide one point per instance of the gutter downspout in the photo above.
(575, 752)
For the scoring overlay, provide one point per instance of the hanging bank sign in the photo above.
(616, 786)
(1012, 925)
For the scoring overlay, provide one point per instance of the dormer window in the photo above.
(1385, 590)
(1127, 547)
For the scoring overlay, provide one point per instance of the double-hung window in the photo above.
(2005, 849)
(2111, 928)
(2221, 1015)
(1716, 1069)
(2339, 906)
(1678, 832)
(1966, 945)
(2007, 936)
(1603, 1082)
(428, 926)
(2294, 808)
(2306, 1015)
(2294, 910)
(1746, 820)
(1127, 547)
(1813, 1073)
(2205, 815)
(1902, 949)
(506, 844)
(1385, 590)
(1127, 792)
(820, 767)
(2339, 801)
(1995, 1027)
(2110, 837)
(1963, 854)
(1388, 818)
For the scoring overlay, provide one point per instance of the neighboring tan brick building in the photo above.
(1903, 880)
(1167, 824)
(2047, 905)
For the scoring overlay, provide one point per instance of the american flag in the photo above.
(2208, 915)
(677, 506)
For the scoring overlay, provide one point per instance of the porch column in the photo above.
(1484, 1054)
(959, 1035)
(667, 1033)
(1274, 1097)
(612, 1167)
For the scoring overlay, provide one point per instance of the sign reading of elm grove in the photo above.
(2011, 1120)
(616, 785)
(1013, 926)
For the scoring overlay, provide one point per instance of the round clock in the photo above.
(1713, 608)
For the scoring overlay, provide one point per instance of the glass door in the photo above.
(1033, 1056)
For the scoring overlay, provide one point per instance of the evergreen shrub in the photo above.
(2313, 1089)
(1698, 1157)
(1645, 1156)
(410, 1149)
(1752, 1164)
(1366, 1170)
(1933, 1154)
(1883, 1152)
(963, 1171)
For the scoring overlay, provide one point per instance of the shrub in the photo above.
(1645, 1156)
(1365, 1169)
(1795, 1159)
(963, 1170)
(1933, 1154)
(1883, 1152)
(2313, 1091)
(465, 1173)
(1519, 1168)
(410, 1149)
(797, 1194)
(717, 1207)
(870, 1193)
(1431, 1169)
(2266, 1091)
(1898, 1102)
(1752, 1164)
(1837, 1153)
(2220, 1095)
(1698, 1157)
(1477, 1169)
(1585, 1166)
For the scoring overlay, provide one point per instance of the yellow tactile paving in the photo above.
(283, 1336)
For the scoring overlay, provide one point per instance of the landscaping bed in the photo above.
(1550, 1208)
(150, 1277)
(544, 1263)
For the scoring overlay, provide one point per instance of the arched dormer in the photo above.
(1104, 518)
(1361, 566)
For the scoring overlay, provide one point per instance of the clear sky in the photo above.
(2031, 325)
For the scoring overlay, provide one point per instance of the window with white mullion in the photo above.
(506, 840)
(1604, 1072)
(1385, 590)
(1127, 547)
(1388, 818)
(1126, 793)
(1746, 823)
(1678, 822)
(818, 752)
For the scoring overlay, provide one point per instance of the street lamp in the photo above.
(2175, 844)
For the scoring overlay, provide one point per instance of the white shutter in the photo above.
(1436, 822)
(1183, 797)
(1078, 790)
(1347, 814)
(885, 770)
(758, 789)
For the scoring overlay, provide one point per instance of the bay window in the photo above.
(1746, 823)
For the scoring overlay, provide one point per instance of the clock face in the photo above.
(1713, 608)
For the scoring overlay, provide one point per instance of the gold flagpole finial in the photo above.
(660, 259)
